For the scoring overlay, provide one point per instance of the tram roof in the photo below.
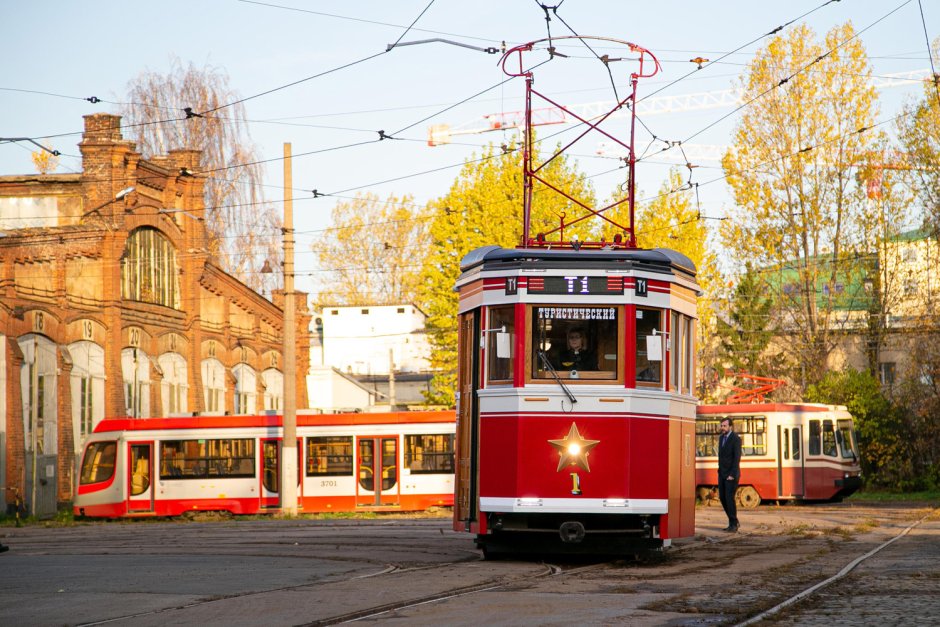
(655, 259)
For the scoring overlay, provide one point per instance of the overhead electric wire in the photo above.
(783, 81)
(936, 77)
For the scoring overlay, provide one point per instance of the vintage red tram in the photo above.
(790, 451)
(401, 461)
(575, 400)
(599, 458)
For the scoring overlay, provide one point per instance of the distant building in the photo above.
(882, 308)
(367, 343)
(112, 305)
(332, 391)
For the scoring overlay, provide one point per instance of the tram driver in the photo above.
(575, 355)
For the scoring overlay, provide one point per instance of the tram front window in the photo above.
(575, 342)
(847, 439)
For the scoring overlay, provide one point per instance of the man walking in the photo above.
(729, 472)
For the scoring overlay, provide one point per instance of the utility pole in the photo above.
(391, 379)
(289, 443)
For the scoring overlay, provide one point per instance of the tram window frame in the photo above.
(643, 363)
(751, 429)
(829, 447)
(94, 464)
(429, 453)
(336, 462)
(499, 370)
(753, 433)
(815, 437)
(707, 432)
(203, 458)
(681, 352)
(846, 428)
(605, 336)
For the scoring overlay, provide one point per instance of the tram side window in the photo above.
(796, 444)
(330, 456)
(681, 347)
(499, 368)
(828, 439)
(649, 370)
(196, 459)
(98, 463)
(814, 437)
(753, 432)
(706, 437)
(575, 343)
(429, 454)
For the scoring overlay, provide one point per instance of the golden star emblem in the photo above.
(573, 450)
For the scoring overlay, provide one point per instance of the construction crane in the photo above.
(440, 134)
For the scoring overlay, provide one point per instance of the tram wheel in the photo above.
(706, 496)
(747, 497)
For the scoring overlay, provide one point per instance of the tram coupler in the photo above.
(571, 532)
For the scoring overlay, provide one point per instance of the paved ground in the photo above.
(286, 572)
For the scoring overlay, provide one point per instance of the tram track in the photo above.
(379, 571)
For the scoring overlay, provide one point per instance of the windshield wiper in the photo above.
(548, 366)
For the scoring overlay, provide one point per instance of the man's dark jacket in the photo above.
(729, 457)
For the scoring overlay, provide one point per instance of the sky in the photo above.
(305, 72)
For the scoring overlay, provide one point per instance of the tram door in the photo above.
(140, 477)
(271, 473)
(789, 461)
(377, 471)
(465, 500)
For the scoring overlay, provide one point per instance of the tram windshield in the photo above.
(575, 342)
(847, 439)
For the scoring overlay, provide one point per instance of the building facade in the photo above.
(112, 305)
(372, 339)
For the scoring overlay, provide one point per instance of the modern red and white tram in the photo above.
(790, 452)
(402, 461)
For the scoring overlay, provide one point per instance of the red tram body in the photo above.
(790, 451)
(597, 459)
(399, 461)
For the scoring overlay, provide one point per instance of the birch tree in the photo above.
(244, 230)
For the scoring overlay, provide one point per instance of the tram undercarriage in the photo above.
(561, 534)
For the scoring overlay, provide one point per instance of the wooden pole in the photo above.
(288, 460)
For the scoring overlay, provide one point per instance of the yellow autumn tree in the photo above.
(919, 131)
(46, 161)
(800, 215)
(373, 252)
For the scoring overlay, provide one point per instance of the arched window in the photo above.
(246, 388)
(135, 366)
(213, 385)
(38, 387)
(87, 386)
(149, 272)
(273, 381)
(175, 386)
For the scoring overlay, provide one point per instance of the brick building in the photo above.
(112, 305)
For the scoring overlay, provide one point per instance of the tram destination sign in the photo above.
(574, 285)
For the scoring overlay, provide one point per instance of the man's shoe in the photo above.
(3, 548)
(729, 529)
